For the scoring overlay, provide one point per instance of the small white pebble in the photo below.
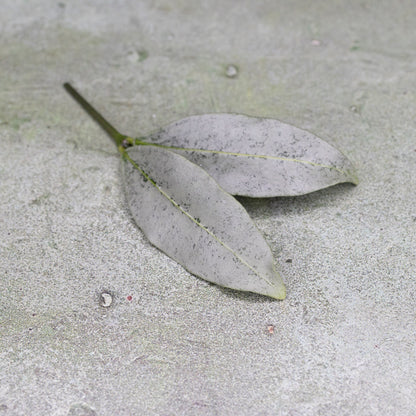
(106, 299)
(133, 56)
(316, 42)
(231, 71)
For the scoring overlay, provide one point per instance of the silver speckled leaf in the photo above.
(183, 212)
(256, 157)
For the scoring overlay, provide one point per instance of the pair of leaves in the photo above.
(179, 180)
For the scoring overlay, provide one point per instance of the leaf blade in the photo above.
(256, 157)
(183, 212)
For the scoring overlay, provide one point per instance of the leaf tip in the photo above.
(351, 173)
(279, 292)
(354, 177)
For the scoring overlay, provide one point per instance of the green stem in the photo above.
(122, 141)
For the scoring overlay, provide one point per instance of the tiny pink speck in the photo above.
(129, 297)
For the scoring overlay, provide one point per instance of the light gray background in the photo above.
(343, 340)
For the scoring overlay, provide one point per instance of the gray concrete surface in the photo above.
(169, 344)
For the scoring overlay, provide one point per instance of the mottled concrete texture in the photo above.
(342, 343)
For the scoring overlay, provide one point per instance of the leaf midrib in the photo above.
(191, 217)
(222, 152)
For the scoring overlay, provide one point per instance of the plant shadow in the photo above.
(245, 296)
(301, 203)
